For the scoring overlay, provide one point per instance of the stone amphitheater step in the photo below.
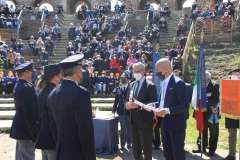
(7, 109)
(5, 125)
(93, 100)
(169, 38)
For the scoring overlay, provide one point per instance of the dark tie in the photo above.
(136, 88)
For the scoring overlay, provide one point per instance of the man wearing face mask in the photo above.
(119, 107)
(70, 106)
(173, 110)
(141, 120)
(232, 125)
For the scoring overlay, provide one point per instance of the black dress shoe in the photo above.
(157, 148)
(210, 154)
(229, 157)
(199, 151)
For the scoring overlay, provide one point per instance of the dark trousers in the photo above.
(213, 135)
(142, 141)
(125, 133)
(156, 135)
(25, 150)
(173, 144)
(213, 139)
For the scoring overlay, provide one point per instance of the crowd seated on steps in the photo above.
(106, 57)
(100, 10)
(223, 14)
(8, 16)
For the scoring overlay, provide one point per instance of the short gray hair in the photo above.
(69, 71)
(139, 66)
(208, 75)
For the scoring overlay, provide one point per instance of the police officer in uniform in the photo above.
(71, 108)
(210, 119)
(45, 141)
(25, 123)
(232, 125)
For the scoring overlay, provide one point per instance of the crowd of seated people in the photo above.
(108, 58)
(100, 10)
(8, 16)
(95, 27)
(205, 17)
(10, 57)
(7, 82)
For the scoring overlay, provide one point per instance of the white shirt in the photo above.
(164, 86)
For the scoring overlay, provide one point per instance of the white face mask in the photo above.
(137, 76)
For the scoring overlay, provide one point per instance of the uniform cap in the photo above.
(23, 67)
(51, 70)
(71, 61)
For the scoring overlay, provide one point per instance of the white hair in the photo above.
(208, 75)
(139, 66)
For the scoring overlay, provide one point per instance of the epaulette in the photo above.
(28, 84)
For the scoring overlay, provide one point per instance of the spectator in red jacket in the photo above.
(114, 65)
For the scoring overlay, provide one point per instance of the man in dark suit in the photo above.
(141, 120)
(119, 107)
(72, 113)
(173, 110)
(25, 123)
(210, 117)
(45, 141)
(232, 124)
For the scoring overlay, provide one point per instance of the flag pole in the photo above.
(201, 133)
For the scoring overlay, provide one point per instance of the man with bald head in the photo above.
(141, 120)
(173, 110)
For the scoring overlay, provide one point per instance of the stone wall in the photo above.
(70, 5)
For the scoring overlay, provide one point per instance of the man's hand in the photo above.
(161, 113)
(131, 105)
(214, 110)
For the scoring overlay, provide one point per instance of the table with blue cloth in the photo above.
(106, 135)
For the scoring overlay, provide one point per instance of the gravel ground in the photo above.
(7, 152)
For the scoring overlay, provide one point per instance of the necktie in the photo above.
(163, 88)
(136, 88)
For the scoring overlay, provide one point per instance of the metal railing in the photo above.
(43, 17)
(19, 23)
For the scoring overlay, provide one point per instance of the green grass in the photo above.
(192, 133)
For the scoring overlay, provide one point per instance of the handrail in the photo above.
(43, 18)
(19, 22)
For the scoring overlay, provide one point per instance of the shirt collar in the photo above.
(166, 80)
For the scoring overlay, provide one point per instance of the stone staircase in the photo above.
(7, 110)
(60, 45)
(169, 38)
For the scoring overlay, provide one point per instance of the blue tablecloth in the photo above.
(106, 135)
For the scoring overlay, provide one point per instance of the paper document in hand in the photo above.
(149, 106)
